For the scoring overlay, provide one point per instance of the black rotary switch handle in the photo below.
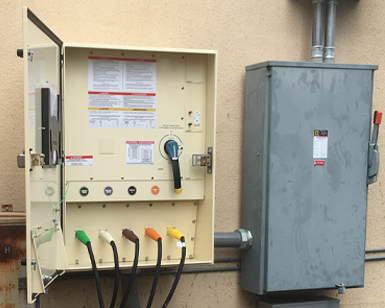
(171, 148)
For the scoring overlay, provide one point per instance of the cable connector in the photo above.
(105, 235)
(173, 232)
(130, 235)
(152, 234)
(82, 236)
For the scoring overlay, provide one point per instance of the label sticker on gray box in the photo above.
(320, 143)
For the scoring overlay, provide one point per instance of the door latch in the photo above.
(204, 160)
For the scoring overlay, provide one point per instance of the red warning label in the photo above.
(319, 163)
(79, 160)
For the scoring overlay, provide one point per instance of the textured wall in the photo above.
(244, 32)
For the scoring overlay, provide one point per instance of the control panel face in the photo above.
(121, 109)
(133, 121)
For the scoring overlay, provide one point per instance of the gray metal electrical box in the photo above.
(306, 140)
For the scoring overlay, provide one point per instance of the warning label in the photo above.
(121, 93)
(320, 144)
(79, 160)
(140, 153)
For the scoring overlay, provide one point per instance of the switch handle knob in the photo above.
(171, 148)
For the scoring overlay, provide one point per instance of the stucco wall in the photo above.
(244, 32)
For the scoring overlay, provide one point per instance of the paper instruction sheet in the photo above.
(121, 93)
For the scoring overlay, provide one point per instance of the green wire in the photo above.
(55, 208)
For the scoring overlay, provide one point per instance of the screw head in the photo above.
(124, 259)
(190, 256)
(76, 261)
(193, 221)
(146, 258)
(192, 238)
(168, 257)
(79, 206)
(103, 206)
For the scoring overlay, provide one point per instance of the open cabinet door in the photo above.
(46, 258)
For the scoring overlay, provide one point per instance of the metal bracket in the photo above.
(204, 160)
(37, 160)
(373, 163)
(341, 288)
(373, 151)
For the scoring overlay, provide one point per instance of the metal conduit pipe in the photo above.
(330, 30)
(227, 239)
(241, 239)
(317, 36)
(375, 250)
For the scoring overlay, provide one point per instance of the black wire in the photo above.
(156, 276)
(133, 273)
(178, 274)
(98, 287)
(116, 284)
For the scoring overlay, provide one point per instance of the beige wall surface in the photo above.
(244, 32)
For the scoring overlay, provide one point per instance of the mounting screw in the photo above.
(76, 261)
(103, 206)
(173, 203)
(122, 177)
(193, 221)
(192, 238)
(190, 256)
(150, 205)
(124, 259)
(100, 260)
(168, 257)
(91, 178)
(79, 206)
(195, 203)
(127, 204)
(146, 258)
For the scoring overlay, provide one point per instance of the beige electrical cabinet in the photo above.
(97, 119)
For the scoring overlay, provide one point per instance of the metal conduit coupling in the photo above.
(240, 238)
(330, 29)
(317, 35)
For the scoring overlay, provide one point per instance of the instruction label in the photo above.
(140, 153)
(320, 144)
(79, 160)
(121, 93)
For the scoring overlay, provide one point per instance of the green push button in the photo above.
(84, 191)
